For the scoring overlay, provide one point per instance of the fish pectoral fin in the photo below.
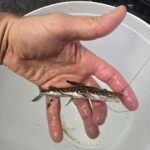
(50, 100)
(37, 98)
(73, 83)
(69, 102)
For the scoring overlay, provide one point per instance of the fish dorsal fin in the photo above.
(74, 83)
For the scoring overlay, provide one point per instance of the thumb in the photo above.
(91, 27)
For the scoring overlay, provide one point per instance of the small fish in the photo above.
(79, 91)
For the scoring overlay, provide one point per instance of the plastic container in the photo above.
(23, 124)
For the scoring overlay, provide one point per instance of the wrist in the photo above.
(6, 22)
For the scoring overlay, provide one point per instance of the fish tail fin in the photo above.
(37, 98)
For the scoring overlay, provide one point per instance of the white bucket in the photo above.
(23, 124)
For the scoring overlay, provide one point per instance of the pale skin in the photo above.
(47, 51)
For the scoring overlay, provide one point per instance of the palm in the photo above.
(69, 63)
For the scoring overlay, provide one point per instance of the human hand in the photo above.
(47, 51)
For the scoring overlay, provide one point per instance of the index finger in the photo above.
(116, 82)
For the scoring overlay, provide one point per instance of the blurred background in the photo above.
(140, 8)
